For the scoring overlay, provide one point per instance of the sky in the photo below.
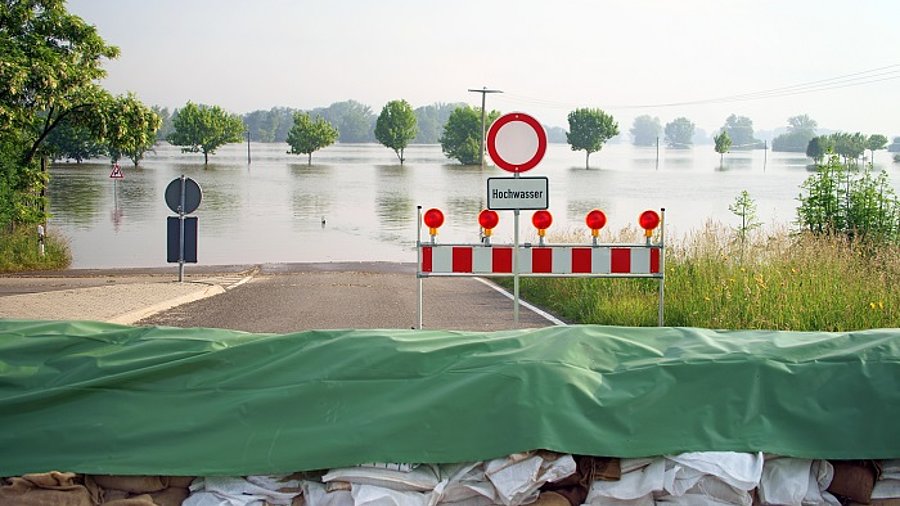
(838, 61)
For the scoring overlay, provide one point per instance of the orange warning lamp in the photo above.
(488, 220)
(648, 220)
(542, 221)
(433, 219)
(595, 220)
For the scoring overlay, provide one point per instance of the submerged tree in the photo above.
(203, 128)
(645, 130)
(396, 126)
(679, 133)
(589, 129)
(874, 143)
(740, 131)
(818, 147)
(723, 145)
(462, 134)
(309, 135)
(130, 128)
(801, 129)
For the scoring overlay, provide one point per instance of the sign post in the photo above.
(183, 196)
(517, 143)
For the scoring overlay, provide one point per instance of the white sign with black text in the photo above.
(510, 193)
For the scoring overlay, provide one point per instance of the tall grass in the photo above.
(776, 281)
(19, 251)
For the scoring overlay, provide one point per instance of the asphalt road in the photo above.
(293, 297)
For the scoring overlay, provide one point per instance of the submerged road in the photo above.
(286, 298)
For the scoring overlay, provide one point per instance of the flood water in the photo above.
(356, 203)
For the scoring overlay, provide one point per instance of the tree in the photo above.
(645, 131)
(431, 120)
(740, 131)
(874, 143)
(895, 146)
(203, 128)
(744, 207)
(354, 121)
(130, 128)
(818, 147)
(462, 134)
(679, 133)
(308, 135)
(270, 126)
(165, 122)
(723, 145)
(849, 146)
(50, 61)
(396, 126)
(801, 129)
(72, 140)
(589, 129)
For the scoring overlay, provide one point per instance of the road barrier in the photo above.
(591, 260)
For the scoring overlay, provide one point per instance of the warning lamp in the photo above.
(488, 220)
(433, 219)
(648, 220)
(595, 220)
(542, 221)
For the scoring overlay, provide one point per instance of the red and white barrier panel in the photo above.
(540, 260)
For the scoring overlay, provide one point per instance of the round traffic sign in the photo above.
(192, 195)
(516, 142)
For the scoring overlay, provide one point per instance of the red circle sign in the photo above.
(516, 142)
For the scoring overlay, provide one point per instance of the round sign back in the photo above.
(516, 142)
(192, 195)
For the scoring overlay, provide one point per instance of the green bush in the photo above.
(19, 251)
(853, 203)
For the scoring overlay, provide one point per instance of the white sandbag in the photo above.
(796, 482)
(886, 489)
(890, 469)
(315, 494)
(785, 481)
(519, 477)
(421, 479)
(634, 485)
(370, 495)
(465, 483)
(739, 470)
(820, 475)
(228, 491)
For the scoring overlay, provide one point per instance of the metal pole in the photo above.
(516, 267)
(419, 266)
(248, 147)
(484, 91)
(516, 264)
(662, 265)
(181, 234)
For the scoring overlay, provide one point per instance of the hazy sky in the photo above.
(548, 57)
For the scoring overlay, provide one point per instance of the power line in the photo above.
(862, 78)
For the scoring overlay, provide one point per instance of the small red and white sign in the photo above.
(516, 142)
(116, 173)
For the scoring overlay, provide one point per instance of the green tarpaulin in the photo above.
(108, 399)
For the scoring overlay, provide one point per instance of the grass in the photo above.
(19, 251)
(777, 281)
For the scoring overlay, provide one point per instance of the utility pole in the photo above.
(248, 146)
(484, 91)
